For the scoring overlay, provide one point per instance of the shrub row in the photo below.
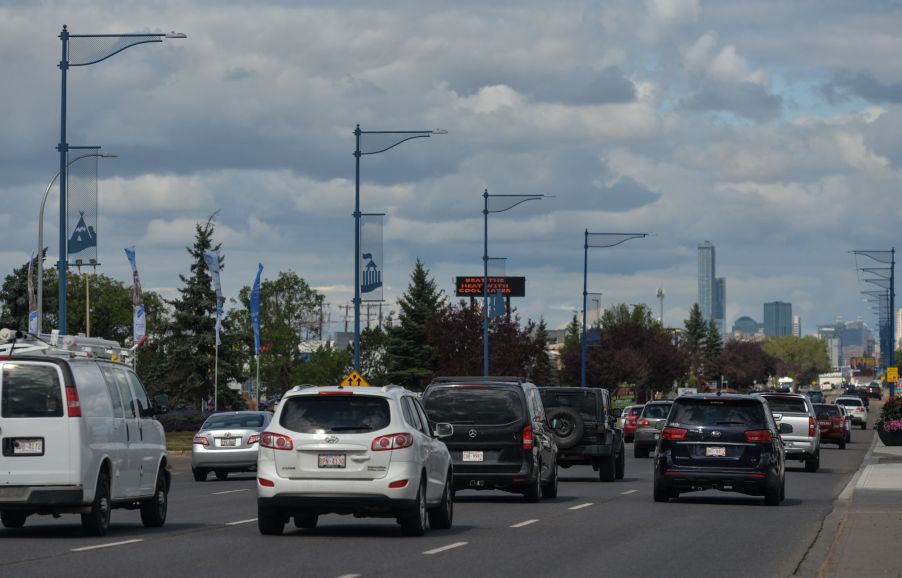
(184, 420)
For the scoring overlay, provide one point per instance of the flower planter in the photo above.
(890, 438)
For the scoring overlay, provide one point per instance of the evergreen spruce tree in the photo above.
(713, 347)
(409, 355)
(696, 329)
(574, 334)
(543, 373)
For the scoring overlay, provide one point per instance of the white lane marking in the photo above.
(110, 545)
(229, 492)
(448, 547)
(628, 492)
(349, 576)
(526, 523)
(248, 521)
(581, 506)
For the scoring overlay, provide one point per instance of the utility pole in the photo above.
(347, 310)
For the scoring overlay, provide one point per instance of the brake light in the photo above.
(812, 427)
(253, 439)
(674, 433)
(759, 435)
(527, 437)
(276, 441)
(201, 440)
(644, 423)
(392, 442)
(72, 404)
(631, 419)
(336, 393)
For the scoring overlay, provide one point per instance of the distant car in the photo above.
(875, 390)
(228, 442)
(815, 396)
(646, 436)
(864, 395)
(847, 421)
(630, 418)
(804, 443)
(856, 408)
(723, 442)
(831, 421)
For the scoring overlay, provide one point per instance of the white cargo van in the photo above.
(77, 432)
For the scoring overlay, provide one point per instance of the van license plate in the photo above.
(472, 456)
(228, 442)
(332, 460)
(715, 452)
(28, 447)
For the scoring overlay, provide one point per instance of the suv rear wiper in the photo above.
(730, 423)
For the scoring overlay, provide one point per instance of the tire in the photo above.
(270, 522)
(607, 469)
(773, 492)
(842, 443)
(442, 516)
(97, 521)
(783, 489)
(864, 425)
(572, 428)
(661, 491)
(200, 474)
(305, 521)
(222, 475)
(12, 519)
(533, 492)
(153, 510)
(812, 464)
(621, 464)
(549, 490)
(640, 452)
(414, 523)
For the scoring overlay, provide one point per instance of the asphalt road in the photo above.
(591, 529)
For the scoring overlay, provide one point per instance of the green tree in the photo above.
(744, 363)
(801, 358)
(326, 366)
(410, 359)
(713, 347)
(544, 372)
(573, 338)
(693, 341)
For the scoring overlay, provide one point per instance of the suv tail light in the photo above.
(527, 437)
(392, 442)
(674, 433)
(276, 441)
(644, 423)
(759, 435)
(812, 427)
(72, 404)
(201, 440)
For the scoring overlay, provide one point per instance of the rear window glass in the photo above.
(849, 402)
(715, 412)
(583, 402)
(636, 410)
(335, 413)
(473, 405)
(30, 391)
(826, 411)
(233, 421)
(786, 405)
(656, 411)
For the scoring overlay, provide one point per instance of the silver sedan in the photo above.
(228, 442)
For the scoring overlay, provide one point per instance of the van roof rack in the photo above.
(14, 342)
(479, 379)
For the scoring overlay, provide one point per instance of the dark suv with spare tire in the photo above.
(586, 435)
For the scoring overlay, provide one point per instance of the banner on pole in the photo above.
(255, 309)
(81, 200)
(212, 260)
(32, 300)
(371, 262)
(139, 321)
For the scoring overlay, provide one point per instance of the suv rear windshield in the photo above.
(826, 411)
(30, 391)
(233, 421)
(636, 410)
(717, 412)
(849, 402)
(581, 401)
(786, 404)
(474, 405)
(656, 410)
(335, 413)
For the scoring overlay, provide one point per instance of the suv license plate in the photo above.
(472, 456)
(228, 442)
(716, 452)
(331, 460)
(28, 447)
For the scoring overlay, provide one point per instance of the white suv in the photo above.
(78, 434)
(365, 451)
(856, 408)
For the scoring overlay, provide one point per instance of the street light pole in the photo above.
(96, 49)
(395, 137)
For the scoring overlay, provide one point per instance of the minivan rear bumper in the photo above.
(326, 503)
(34, 497)
(751, 482)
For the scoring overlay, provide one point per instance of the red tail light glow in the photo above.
(72, 404)
(812, 427)
(336, 393)
(759, 435)
(644, 423)
(674, 433)
(253, 439)
(201, 440)
(276, 441)
(527, 438)
(392, 442)
(265, 482)
(398, 484)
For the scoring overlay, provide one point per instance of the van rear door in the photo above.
(35, 430)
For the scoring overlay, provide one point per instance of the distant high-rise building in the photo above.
(746, 326)
(777, 319)
(706, 279)
(796, 326)
(720, 305)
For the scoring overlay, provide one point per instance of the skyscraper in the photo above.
(720, 305)
(706, 279)
(796, 326)
(777, 319)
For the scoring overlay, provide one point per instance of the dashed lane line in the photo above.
(229, 492)
(349, 576)
(581, 506)
(628, 492)
(239, 522)
(444, 548)
(521, 524)
(109, 545)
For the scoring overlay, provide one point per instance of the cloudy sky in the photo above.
(770, 128)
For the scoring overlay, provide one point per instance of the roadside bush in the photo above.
(182, 420)
(891, 415)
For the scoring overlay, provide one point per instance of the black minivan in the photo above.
(721, 442)
(501, 440)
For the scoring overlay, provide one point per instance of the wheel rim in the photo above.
(449, 503)
(422, 506)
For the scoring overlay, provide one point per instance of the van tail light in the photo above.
(276, 441)
(674, 433)
(253, 439)
(201, 440)
(392, 442)
(812, 427)
(759, 435)
(72, 404)
(644, 423)
(527, 437)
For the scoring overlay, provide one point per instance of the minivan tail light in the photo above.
(759, 435)
(276, 441)
(527, 437)
(72, 404)
(392, 442)
(812, 427)
(201, 440)
(674, 433)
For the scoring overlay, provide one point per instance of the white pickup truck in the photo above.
(804, 443)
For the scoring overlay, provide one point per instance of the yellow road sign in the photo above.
(892, 374)
(354, 379)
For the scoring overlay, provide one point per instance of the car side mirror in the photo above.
(659, 425)
(785, 428)
(556, 424)
(443, 430)
(617, 413)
